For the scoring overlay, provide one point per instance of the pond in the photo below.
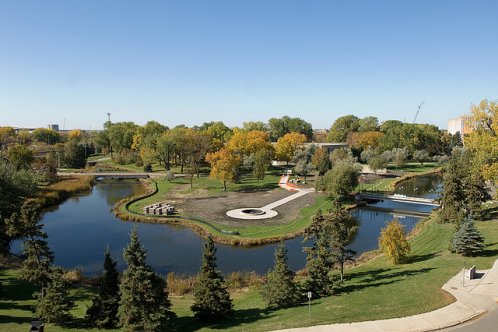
(81, 229)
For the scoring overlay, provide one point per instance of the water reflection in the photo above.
(81, 228)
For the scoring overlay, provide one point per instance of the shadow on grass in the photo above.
(420, 258)
(256, 187)
(240, 317)
(16, 320)
(489, 253)
(376, 278)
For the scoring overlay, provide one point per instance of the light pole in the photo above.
(309, 305)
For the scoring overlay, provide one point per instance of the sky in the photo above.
(187, 62)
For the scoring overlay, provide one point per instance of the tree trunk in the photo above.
(224, 185)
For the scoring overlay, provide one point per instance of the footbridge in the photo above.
(397, 198)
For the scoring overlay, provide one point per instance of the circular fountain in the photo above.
(252, 213)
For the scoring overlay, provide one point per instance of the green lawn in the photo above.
(374, 290)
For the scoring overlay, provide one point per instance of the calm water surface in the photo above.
(82, 228)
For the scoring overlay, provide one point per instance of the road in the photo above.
(487, 323)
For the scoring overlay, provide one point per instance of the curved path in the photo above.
(474, 298)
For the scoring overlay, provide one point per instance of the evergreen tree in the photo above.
(280, 289)
(342, 231)
(392, 241)
(37, 265)
(104, 310)
(55, 304)
(468, 240)
(211, 298)
(453, 194)
(144, 303)
(320, 257)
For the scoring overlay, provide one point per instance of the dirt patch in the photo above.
(215, 207)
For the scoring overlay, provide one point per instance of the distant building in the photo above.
(53, 127)
(330, 147)
(456, 125)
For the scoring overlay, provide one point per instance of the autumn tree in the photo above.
(224, 165)
(483, 140)
(262, 161)
(218, 132)
(321, 161)
(280, 289)
(166, 148)
(363, 140)
(420, 156)
(48, 136)
(20, 156)
(287, 146)
(144, 303)
(211, 298)
(393, 243)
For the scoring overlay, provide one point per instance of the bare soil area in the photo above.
(214, 208)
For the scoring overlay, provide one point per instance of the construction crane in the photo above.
(418, 110)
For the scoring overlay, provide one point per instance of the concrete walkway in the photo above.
(474, 298)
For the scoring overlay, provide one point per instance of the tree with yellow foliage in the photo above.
(393, 243)
(286, 146)
(483, 140)
(224, 165)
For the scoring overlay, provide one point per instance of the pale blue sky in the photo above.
(195, 61)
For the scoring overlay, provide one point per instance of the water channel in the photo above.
(81, 228)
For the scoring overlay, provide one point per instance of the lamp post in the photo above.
(309, 305)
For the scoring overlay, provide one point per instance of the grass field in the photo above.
(374, 290)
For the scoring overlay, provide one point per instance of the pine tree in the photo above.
(104, 310)
(468, 240)
(144, 303)
(54, 305)
(211, 298)
(342, 231)
(280, 289)
(37, 265)
(453, 194)
(320, 257)
(393, 243)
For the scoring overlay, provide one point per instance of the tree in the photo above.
(342, 154)
(48, 136)
(369, 123)
(467, 240)
(321, 161)
(279, 127)
(20, 156)
(262, 162)
(280, 289)
(255, 125)
(218, 132)
(287, 146)
(7, 136)
(320, 258)
(166, 148)
(15, 186)
(399, 156)
(483, 140)
(377, 163)
(104, 310)
(74, 155)
(363, 140)
(144, 303)
(223, 165)
(340, 180)
(54, 304)
(393, 243)
(211, 299)
(421, 156)
(302, 161)
(37, 265)
(342, 231)
(342, 127)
